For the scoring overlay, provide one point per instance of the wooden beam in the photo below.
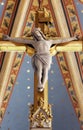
(10, 46)
(73, 46)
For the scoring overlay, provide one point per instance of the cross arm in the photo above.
(7, 46)
(10, 46)
(73, 46)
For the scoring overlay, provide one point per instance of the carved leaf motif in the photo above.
(78, 114)
(64, 67)
(1, 114)
(75, 100)
(16, 64)
(75, 27)
(6, 23)
(12, 81)
(5, 98)
(32, 17)
(72, 11)
(9, 7)
(69, 84)
(8, 15)
(82, 62)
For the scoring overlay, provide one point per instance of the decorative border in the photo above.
(70, 87)
(10, 85)
(75, 28)
(6, 26)
(29, 23)
(1, 59)
(8, 16)
(79, 57)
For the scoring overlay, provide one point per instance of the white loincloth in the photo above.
(45, 58)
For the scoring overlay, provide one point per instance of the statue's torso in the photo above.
(42, 46)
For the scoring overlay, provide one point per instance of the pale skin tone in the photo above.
(41, 61)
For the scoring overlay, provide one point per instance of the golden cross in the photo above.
(74, 46)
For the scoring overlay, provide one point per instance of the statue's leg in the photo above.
(45, 75)
(38, 65)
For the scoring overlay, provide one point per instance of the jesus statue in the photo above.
(41, 60)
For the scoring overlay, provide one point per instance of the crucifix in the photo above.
(41, 52)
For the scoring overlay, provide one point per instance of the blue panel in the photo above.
(2, 3)
(64, 117)
(79, 7)
(16, 116)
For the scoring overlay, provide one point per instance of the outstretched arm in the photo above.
(64, 40)
(17, 40)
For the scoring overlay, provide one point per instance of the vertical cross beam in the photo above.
(42, 18)
(40, 111)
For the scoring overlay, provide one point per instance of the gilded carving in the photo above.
(41, 118)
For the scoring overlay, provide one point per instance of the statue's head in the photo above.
(38, 34)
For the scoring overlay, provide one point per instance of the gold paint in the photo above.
(40, 111)
(74, 46)
(42, 17)
(38, 95)
(41, 117)
(10, 46)
(81, 1)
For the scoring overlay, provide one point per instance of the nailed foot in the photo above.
(40, 88)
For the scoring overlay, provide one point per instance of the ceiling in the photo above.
(65, 106)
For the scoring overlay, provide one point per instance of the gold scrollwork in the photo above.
(41, 118)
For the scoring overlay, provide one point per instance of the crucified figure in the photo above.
(41, 60)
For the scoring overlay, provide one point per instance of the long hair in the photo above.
(39, 30)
